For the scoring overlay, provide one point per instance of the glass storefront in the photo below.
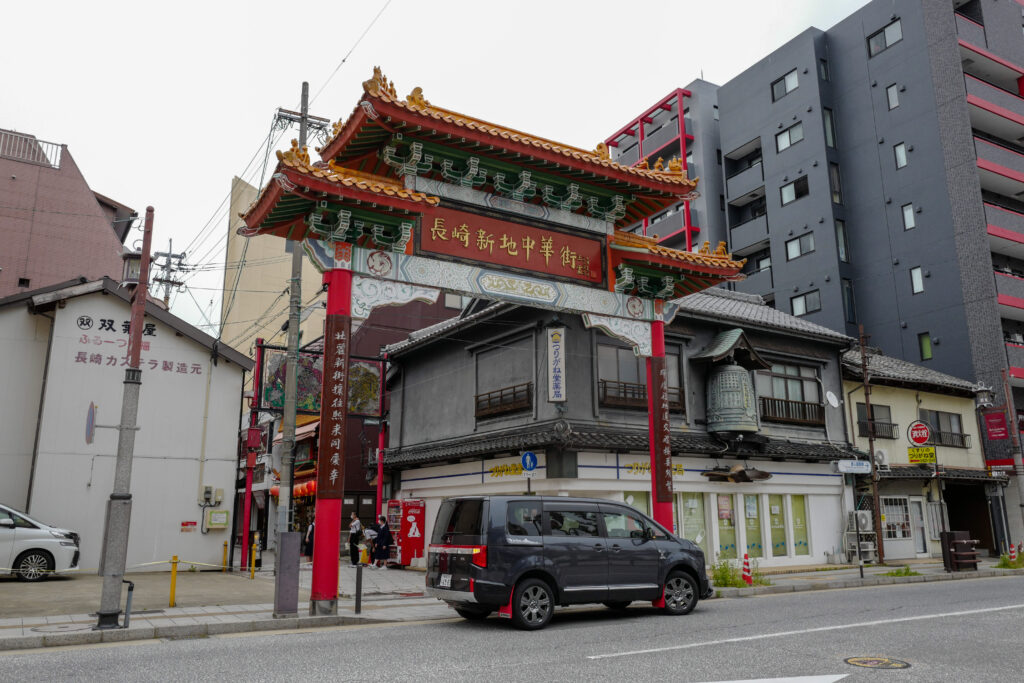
(726, 527)
(694, 521)
(752, 522)
(777, 517)
(800, 545)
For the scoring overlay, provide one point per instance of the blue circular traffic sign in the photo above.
(529, 461)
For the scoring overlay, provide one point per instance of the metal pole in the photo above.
(856, 525)
(879, 544)
(119, 507)
(1018, 463)
(382, 437)
(286, 560)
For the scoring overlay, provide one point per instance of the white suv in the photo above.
(33, 550)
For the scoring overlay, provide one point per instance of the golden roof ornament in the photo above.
(416, 98)
(659, 164)
(295, 154)
(705, 248)
(722, 249)
(379, 85)
(601, 152)
(642, 164)
(675, 165)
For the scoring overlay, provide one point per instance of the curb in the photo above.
(183, 631)
(861, 583)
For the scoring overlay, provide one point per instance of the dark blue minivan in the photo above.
(522, 555)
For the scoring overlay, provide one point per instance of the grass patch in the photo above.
(902, 571)
(1005, 563)
(725, 574)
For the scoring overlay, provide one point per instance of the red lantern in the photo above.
(312, 487)
(296, 491)
(275, 490)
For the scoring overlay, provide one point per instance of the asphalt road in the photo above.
(961, 631)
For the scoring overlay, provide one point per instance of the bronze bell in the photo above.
(732, 404)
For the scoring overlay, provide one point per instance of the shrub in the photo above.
(902, 571)
(725, 574)
(1004, 562)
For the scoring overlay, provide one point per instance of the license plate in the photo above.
(445, 581)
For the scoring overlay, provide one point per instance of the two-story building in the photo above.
(756, 421)
(941, 486)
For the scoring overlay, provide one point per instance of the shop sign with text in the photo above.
(556, 364)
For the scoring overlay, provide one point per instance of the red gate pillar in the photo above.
(658, 423)
(323, 598)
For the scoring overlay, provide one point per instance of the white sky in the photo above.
(162, 105)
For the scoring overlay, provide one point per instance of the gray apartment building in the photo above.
(873, 173)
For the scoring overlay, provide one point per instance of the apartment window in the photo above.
(784, 86)
(881, 416)
(835, 183)
(762, 263)
(790, 192)
(830, 127)
(924, 345)
(718, 156)
(908, 217)
(622, 378)
(842, 245)
(900, 150)
(798, 246)
(892, 93)
(789, 137)
(947, 428)
(882, 40)
(916, 280)
(721, 202)
(849, 304)
(714, 111)
(823, 69)
(789, 393)
(805, 303)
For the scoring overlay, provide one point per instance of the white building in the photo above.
(62, 369)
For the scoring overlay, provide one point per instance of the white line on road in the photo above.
(819, 629)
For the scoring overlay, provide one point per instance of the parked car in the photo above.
(523, 555)
(33, 550)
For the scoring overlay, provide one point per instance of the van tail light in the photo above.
(479, 557)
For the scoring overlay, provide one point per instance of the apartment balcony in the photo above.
(748, 236)
(760, 282)
(1000, 168)
(792, 412)
(970, 30)
(1005, 230)
(883, 430)
(980, 63)
(669, 225)
(659, 137)
(1010, 295)
(740, 186)
(994, 111)
(1015, 358)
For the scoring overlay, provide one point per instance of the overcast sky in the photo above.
(163, 104)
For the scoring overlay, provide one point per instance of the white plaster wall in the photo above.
(1015, 525)
(23, 340)
(74, 479)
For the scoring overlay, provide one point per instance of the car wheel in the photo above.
(532, 604)
(33, 565)
(680, 593)
(617, 605)
(473, 614)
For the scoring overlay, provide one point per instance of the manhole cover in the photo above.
(877, 663)
(62, 628)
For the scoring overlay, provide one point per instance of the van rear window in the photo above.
(459, 517)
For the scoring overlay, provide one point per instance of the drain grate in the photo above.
(877, 663)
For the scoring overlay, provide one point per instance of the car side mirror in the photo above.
(649, 533)
(7, 522)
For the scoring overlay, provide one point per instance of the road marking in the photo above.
(83, 646)
(831, 678)
(819, 629)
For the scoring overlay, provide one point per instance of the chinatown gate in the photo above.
(411, 200)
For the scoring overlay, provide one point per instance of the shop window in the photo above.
(801, 545)
(777, 518)
(752, 523)
(726, 528)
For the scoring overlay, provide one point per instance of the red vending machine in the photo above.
(406, 519)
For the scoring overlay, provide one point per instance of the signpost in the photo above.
(529, 467)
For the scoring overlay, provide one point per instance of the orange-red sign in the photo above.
(489, 240)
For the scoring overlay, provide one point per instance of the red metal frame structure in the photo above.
(635, 128)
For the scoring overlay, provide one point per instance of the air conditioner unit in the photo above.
(864, 519)
(867, 547)
(881, 460)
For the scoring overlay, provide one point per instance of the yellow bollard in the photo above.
(252, 561)
(174, 578)
(224, 562)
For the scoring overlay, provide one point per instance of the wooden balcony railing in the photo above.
(883, 430)
(508, 400)
(614, 394)
(794, 412)
(954, 439)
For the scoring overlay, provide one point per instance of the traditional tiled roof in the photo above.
(381, 89)
(750, 311)
(949, 473)
(445, 326)
(720, 258)
(726, 344)
(884, 369)
(575, 435)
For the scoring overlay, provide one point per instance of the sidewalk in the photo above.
(60, 611)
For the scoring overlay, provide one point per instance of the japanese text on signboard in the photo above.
(661, 446)
(334, 408)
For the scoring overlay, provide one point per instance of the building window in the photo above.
(947, 428)
(798, 246)
(881, 417)
(805, 303)
(849, 304)
(784, 86)
(900, 150)
(916, 280)
(835, 183)
(924, 345)
(830, 127)
(789, 393)
(790, 192)
(896, 513)
(892, 93)
(622, 378)
(823, 69)
(882, 40)
(23, 282)
(842, 245)
(454, 301)
(789, 137)
(714, 111)
(513, 399)
(908, 217)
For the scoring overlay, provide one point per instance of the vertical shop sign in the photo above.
(662, 447)
(334, 411)
(995, 425)
(556, 364)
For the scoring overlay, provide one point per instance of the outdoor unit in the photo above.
(865, 521)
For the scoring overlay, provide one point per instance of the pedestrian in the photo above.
(308, 547)
(382, 546)
(355, 533)
(369, 538)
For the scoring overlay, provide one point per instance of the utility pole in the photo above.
(1018, 463)
(286, 571)
(871, 446)
(119, 506)
(167, 270)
